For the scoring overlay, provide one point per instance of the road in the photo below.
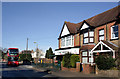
(27, 72)
(21, 71)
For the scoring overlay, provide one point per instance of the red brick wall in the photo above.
(59, 43)
(87, 68)
(99, 28)
(77, 69)
(76, 40)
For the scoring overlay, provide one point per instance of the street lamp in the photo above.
(36, 49)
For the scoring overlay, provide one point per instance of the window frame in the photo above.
(101, 35)
(115, 32)
(88, 37)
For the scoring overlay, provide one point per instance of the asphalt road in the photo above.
(21, 71)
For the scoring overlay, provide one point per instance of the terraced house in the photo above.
(99, 34)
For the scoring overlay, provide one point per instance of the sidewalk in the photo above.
(60, 73)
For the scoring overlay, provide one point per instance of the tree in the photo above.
(49, 54)
(23, 57)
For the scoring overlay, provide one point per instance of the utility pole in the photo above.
(27, 45)
(26, 48)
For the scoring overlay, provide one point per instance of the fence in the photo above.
(47, 64)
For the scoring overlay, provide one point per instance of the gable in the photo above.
(65, 31)
(84, 26)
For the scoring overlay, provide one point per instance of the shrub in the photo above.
(66, 60)
(63, 63)
(104, 63)
(73, 59)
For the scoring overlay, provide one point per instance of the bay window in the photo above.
(67, 41)
(62, 42)
(114, 32)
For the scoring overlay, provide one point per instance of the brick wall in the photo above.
(77, 69)
(87, 68)
(81, 39)
(109, 73)
(59, 43)
(76, 40)
(97, 33)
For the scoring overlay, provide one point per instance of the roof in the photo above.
(95, 21)
(72, 27)
(105, 17)
(110, 44)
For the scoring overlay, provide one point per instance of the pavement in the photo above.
(60, 73)
(33, 71)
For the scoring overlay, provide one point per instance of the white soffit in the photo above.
(65, 31)
(84, 26)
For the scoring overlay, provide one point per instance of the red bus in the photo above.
(13, 55)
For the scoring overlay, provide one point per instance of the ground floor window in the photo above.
(86, 57)
(84, 60)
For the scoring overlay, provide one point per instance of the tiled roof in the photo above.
(97, 20)
(105, 17)
(110, 44)
(72, 27)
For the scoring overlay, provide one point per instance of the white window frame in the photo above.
(112, 32)
(91, 60)
(84, 53)
(84, 59)
(101, 34)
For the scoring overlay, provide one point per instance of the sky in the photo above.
(42, 22)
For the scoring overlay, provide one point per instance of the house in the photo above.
(99, 34)
(41, 54)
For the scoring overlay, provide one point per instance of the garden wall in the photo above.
(87, 68)
(77, 69)
(109, 73)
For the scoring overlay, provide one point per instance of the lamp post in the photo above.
(36, 49)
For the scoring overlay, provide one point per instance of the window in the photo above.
(68, 40)
(114, 32)
(88, 37)
(90, 59)
(62, 42)
(84, 53)
(91, 36)
(72, 40)
(84, 60)
(89, 53)
(101, 34)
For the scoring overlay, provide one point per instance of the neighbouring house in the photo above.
(99, 34)
(40, 54)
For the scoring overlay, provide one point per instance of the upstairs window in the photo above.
(114, 32)
(62, 42)
(101, 34)
(68, 40)
(88, 37)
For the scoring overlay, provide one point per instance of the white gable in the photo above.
(84, 26)
(65, 31)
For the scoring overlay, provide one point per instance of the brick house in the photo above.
(99, 34)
